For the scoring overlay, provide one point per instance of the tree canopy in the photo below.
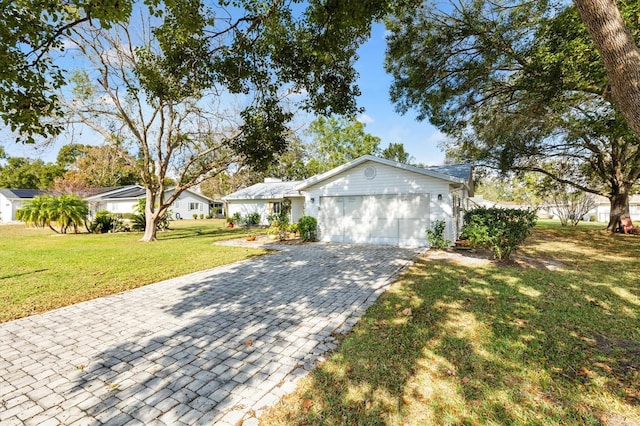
(518, 86)
(243, 45)
(338, 140)
(24, 173)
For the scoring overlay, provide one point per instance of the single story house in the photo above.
(120, 199)
(124, 199)
(368, 200)
(11, 200)
(602, 211)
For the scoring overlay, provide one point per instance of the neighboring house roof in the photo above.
(128, 192)
(21, 194)
(131, 192)
(266, 191)
(458, 173)
(91, 192)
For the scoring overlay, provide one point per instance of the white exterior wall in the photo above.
(245, 207)
(603, 212)
(387, 181)
(8, 209)
(297, 209)
(180, 207)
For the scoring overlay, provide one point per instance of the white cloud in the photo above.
(366, 119)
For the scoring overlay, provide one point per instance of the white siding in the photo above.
(245, 207)
(121, 206)
(182, 207)
(297, 209)
(8, 209)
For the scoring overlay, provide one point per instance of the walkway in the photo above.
(212, 347)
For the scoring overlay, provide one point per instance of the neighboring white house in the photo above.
(120, 199)
(124, 199)
(602, 210)
(369, 200)
(11, 200)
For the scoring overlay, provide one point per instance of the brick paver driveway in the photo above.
(212, 347)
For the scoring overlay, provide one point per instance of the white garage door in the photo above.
(375, 219)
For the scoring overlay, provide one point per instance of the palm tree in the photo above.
(66, 210)
(36, 212)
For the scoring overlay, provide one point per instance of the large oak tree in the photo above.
(519, 86)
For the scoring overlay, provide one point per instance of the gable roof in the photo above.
(266, 191)
(456, 173)
(21, 194)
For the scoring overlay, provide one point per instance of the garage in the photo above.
(370, 200)
(376, 219)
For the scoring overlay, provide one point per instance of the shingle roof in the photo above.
(265, 191)
(461, 171)
(25, 194)
(90, 192)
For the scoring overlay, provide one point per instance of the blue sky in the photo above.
(421, 139)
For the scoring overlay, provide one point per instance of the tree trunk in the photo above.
(151, 218)
(619, 208)
(150, 228)
(619, 54)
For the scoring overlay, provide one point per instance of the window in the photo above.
(194, 206)
(275, 207)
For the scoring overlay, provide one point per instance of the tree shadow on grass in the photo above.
(492, 344)
(35, 271)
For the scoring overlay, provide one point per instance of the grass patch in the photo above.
(459, 344)
(41, 270)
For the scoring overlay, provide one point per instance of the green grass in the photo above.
(500, 345)
(40, 270)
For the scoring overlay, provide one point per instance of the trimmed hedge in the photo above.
(498, 230)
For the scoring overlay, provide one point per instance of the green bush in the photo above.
(293, 228)
(139, 220)
(435, 235)
(499, 230)
(104, 222)
(308, 226)
(252, 219)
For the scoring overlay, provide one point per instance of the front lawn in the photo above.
(40, 270)
(456, 343)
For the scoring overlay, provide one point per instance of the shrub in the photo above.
(308, 226)
(499, 230)
(435, 235)
(105, 222)
(139, 220)
(293, 228)
(201, 215)
(195, 215)
(252, 219)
